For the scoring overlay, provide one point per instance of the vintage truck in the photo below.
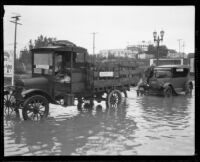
(89, 80)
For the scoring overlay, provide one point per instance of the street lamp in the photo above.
(158, 39)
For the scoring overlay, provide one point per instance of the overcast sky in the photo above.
(116, 26)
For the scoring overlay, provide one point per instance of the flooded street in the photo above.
(144, 125)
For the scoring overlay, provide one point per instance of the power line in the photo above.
(16, 19)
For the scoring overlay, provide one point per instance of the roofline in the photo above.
(60, 48)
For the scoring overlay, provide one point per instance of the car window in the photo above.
(180, 72)
(162, 74)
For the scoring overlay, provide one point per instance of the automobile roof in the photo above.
(172, 66)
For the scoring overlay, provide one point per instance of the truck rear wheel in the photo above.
(35, 108)
(114, 98)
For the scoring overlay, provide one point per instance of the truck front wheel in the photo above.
(35, 108)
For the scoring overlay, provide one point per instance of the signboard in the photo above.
(106, 74)
(8, 68)
(42, 66)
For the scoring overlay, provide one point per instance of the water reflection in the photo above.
(141, 125)
(63, 137)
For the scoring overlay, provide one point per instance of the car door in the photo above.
(161, 76)
(179, 78)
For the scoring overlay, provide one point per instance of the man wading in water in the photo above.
(149, 72)
(144, 81)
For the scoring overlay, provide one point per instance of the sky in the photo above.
(115, 26)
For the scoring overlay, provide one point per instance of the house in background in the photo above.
(145, 56)
(117, 53)
(174, 54)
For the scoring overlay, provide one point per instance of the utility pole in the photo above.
(94, 42)
(93, 45)
(183, 48)
(16, 18)
(179, 40)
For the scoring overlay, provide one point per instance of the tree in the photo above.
(163, 50)
(151, 50)
(40, 42)
(25, 57)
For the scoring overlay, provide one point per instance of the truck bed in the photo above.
(116, 74)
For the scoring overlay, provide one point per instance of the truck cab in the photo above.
(52, 64)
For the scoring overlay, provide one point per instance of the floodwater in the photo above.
(144, 125)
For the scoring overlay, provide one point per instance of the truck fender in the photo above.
(31, 92)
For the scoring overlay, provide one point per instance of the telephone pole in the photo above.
(93, 45)
(94, 42)
(183, 48)
(179, 40)
(16, 19)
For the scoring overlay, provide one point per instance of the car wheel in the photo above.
(188, 90)
(168, 91)
(35, 108)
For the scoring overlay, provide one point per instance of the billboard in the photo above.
(8, 67)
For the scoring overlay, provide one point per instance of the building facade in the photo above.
(117, 53)
(145, 56)
(131, 51)
(176, 55)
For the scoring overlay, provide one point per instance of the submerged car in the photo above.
(167, 80)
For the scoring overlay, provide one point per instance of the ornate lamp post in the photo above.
(158, 39)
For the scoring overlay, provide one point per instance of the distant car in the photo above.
(168, 80)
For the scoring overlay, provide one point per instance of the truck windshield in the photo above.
(43, 63)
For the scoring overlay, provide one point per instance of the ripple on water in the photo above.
(145, 125)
